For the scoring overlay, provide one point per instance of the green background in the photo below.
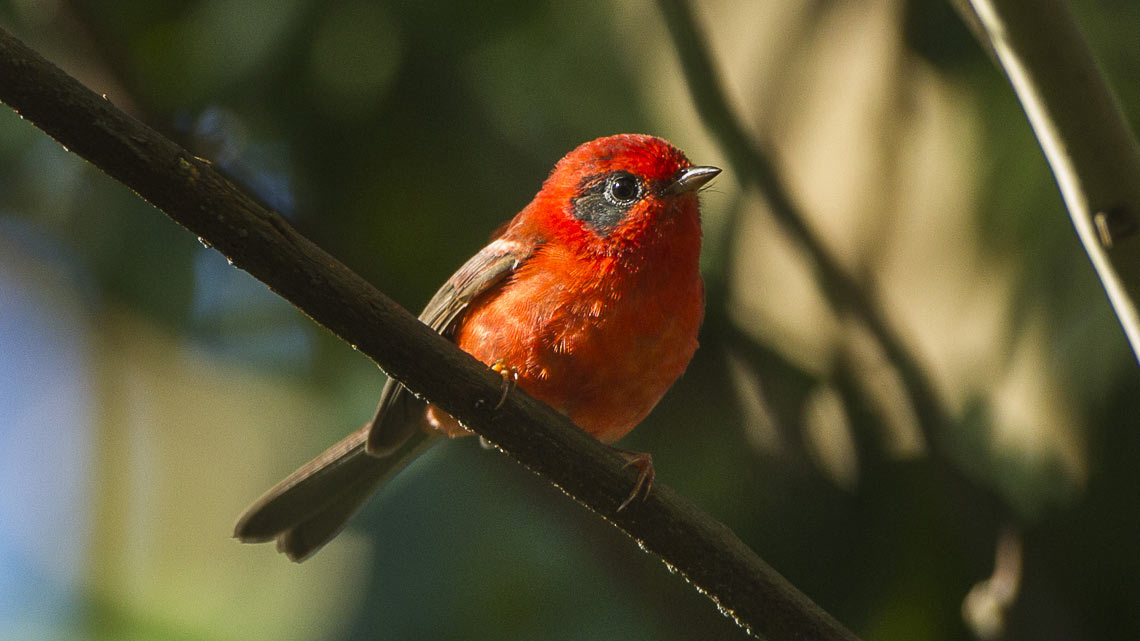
(149, 391)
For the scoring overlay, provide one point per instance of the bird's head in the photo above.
(621, 192)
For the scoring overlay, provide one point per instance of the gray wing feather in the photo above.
(398, 412)
(309, 507)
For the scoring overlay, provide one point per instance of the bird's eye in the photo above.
(623, 188)
(604, 200)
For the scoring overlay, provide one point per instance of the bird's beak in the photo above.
(690, 179)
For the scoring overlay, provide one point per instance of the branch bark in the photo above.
(1080, 127)
(191, 192)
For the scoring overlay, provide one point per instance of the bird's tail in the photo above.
(309, 507)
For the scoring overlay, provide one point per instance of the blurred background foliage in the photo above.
(149, 391)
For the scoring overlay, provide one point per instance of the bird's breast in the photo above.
(597, 340)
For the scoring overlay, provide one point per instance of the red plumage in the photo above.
(598, 327)
(591, 297)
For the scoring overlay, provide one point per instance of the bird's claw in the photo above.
(645, 475)
(510, 378)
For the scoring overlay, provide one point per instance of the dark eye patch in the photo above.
(604, 200)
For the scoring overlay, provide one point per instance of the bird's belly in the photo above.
(603, 361)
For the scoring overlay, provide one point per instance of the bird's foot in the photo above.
(645, 474)
(510, 378)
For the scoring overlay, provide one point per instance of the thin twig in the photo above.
(1077, 120)
(191, 192)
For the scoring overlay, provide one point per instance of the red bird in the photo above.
(590, 299)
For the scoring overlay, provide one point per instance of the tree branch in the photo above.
(1085, 138)
(191, 192)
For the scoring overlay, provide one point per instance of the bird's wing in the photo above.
(394, 421)
(304, 511)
